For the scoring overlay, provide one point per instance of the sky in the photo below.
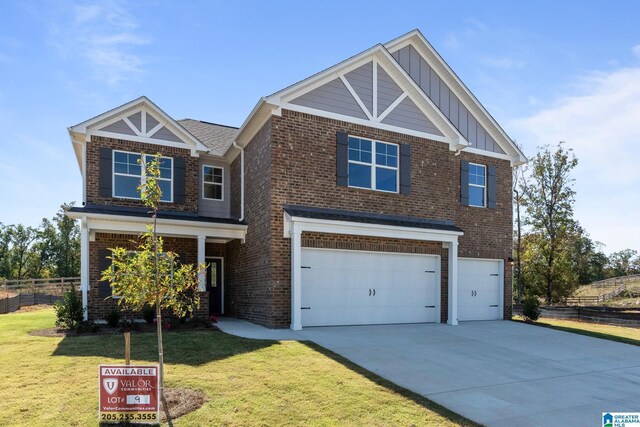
(548, 71)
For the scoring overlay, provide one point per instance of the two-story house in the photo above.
(376, 191)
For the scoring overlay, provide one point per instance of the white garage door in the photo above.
(359, 288)
(480, 284)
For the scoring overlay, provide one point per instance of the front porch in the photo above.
(194, 238)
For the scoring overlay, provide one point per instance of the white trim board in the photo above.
(109, 223)
(366, 229)
(295, 226)
(416, 39)
(274, 103)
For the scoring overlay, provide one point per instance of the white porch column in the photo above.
(201, 252)
(453, 283)
(84, 266)
(296, 277)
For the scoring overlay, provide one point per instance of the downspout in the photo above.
(241, 180)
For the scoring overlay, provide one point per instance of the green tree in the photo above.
(5, 246)
(151, 276)
(586, 257)
(622, 263)
(22, 239)
(548, 198)
(67, 253)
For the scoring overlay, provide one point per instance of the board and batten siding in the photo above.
(215, 208)
(435, 88)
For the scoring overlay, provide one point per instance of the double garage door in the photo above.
(361, 288)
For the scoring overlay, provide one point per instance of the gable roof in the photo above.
(273, 104)
(132, 107)
(216, 137)
(418, 41)
(380, 56)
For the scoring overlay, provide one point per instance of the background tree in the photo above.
(549, 197)
(151, 276)
(518, 196)
(21, 240)
(623, 263)
(67, 244)
(5, 246)
(588, 261)
(50, 250)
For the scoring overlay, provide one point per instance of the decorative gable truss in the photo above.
(373, 90)
(139, 120)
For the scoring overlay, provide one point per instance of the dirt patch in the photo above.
(51, 332)
(29, 308)
(106, 330)
(181, 401)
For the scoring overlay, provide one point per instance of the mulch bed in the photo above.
(107, 330)
(181, 401)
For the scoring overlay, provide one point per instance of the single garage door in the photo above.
(359, 288)
(480, 285)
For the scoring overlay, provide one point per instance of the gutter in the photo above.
(241, 180)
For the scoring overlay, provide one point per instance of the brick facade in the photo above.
(185, 248)
(192, 179)
(292, 161)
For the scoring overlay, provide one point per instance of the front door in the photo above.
(214, 285)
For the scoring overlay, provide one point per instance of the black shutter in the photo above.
(405, 169)
(491, 186)
(106, 172)
(104, 287)
(178, 180)
(342, 159)
(464, 183)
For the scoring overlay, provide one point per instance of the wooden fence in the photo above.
(602, 315)
(619, 284)
(18, 293)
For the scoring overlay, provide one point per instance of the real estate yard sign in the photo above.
(129, 393)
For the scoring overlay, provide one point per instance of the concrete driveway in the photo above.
(496, 373)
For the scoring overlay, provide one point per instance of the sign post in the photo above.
(128, 393)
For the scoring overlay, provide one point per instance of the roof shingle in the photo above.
(216, 137)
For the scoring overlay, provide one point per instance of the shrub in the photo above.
(113, 318)
(87, 327)
(148, 313)
(69, 310)
(531, 308)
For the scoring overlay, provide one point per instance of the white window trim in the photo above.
(373, 166)
(142, 177)
(484, 187)
(213, 183)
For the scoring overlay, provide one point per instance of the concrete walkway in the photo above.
(496, 373)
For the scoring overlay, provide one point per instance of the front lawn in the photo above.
(53, 381)
(608, 332)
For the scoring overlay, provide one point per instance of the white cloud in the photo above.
(505, 63)
(107, 35)
(601, 122)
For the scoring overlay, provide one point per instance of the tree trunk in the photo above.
(158, 309)
(550, 275)
(519, 249)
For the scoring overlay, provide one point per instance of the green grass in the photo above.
(53, 381)
(608, 332)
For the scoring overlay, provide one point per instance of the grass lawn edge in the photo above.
(586, 332)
